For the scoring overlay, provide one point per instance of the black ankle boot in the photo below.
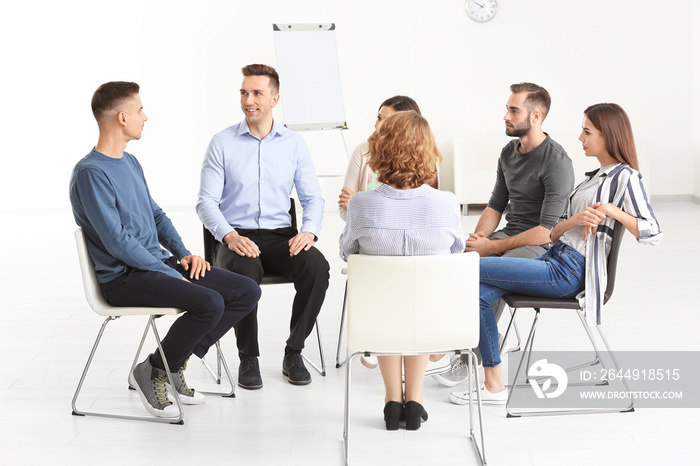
(393, 410)
(414, 413)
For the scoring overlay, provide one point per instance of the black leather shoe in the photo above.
(393, 413)
(414, 414)
(293, 367)
(249, 373)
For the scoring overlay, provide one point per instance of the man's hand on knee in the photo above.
(196, 265)
(241, 245)
(302, 241)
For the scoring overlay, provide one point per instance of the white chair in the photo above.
(96, 300)
(400, 305)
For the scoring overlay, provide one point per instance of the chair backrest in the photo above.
(93, 294)
(413, 303)
(210, 241)
(613, 255)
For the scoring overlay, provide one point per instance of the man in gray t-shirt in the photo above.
(534, 179)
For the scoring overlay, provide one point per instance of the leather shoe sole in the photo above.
(295, 382)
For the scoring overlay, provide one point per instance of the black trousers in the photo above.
(213, 304)
(309, 271)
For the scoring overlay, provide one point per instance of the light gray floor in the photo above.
(47, 329)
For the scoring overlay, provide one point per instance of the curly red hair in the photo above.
(403, 151)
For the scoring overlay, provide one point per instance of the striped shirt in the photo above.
(623, 187)
(402, 222)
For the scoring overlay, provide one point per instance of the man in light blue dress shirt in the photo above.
(248, 174)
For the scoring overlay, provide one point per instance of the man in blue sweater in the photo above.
(125, 230)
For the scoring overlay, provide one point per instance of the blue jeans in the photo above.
(560, 273)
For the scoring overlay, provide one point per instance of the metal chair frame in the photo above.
(516, 302)
(101, 307)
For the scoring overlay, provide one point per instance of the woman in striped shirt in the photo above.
(403, 217)
(614, 192)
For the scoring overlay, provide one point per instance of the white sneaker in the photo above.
(487, 398)
(456, 374)
(370, 362)
(439, 366)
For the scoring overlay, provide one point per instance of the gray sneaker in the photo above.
(149, 383)
(187, 395)
(458, 373)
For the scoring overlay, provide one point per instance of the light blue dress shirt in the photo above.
(246, 182)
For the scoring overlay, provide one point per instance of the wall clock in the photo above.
(482, 11)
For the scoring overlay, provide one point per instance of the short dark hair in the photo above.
(401, 103)
(264, 70)
(109, 96)
(537, 96)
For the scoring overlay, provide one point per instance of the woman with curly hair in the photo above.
(404, 216)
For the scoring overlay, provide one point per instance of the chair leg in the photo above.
(527, 353)
(77, 412)
(136, 356)
(321, 370)
(346, 420)
(629, 408)
(340, 331)
(220, 362)
(517, 332)
(511, 324)
(214, 375)
(171, 379)
(481, 452)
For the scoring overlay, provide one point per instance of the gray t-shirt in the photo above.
(535, 186)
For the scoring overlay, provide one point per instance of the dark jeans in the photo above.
(213, 304)
(309, 271)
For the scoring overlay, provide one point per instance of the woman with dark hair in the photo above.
(359, 177)
(614, 192)
(404, 216)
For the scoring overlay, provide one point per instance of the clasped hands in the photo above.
(344, 198)
(590, 217)
(245, 247)
(479, 243)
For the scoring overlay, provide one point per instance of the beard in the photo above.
(519, 131)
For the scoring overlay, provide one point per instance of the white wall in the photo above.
(187, 57)
(696, 98)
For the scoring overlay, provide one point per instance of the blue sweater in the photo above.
(124, 227)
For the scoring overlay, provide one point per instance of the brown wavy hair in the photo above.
(614, 124)
(404, 153)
